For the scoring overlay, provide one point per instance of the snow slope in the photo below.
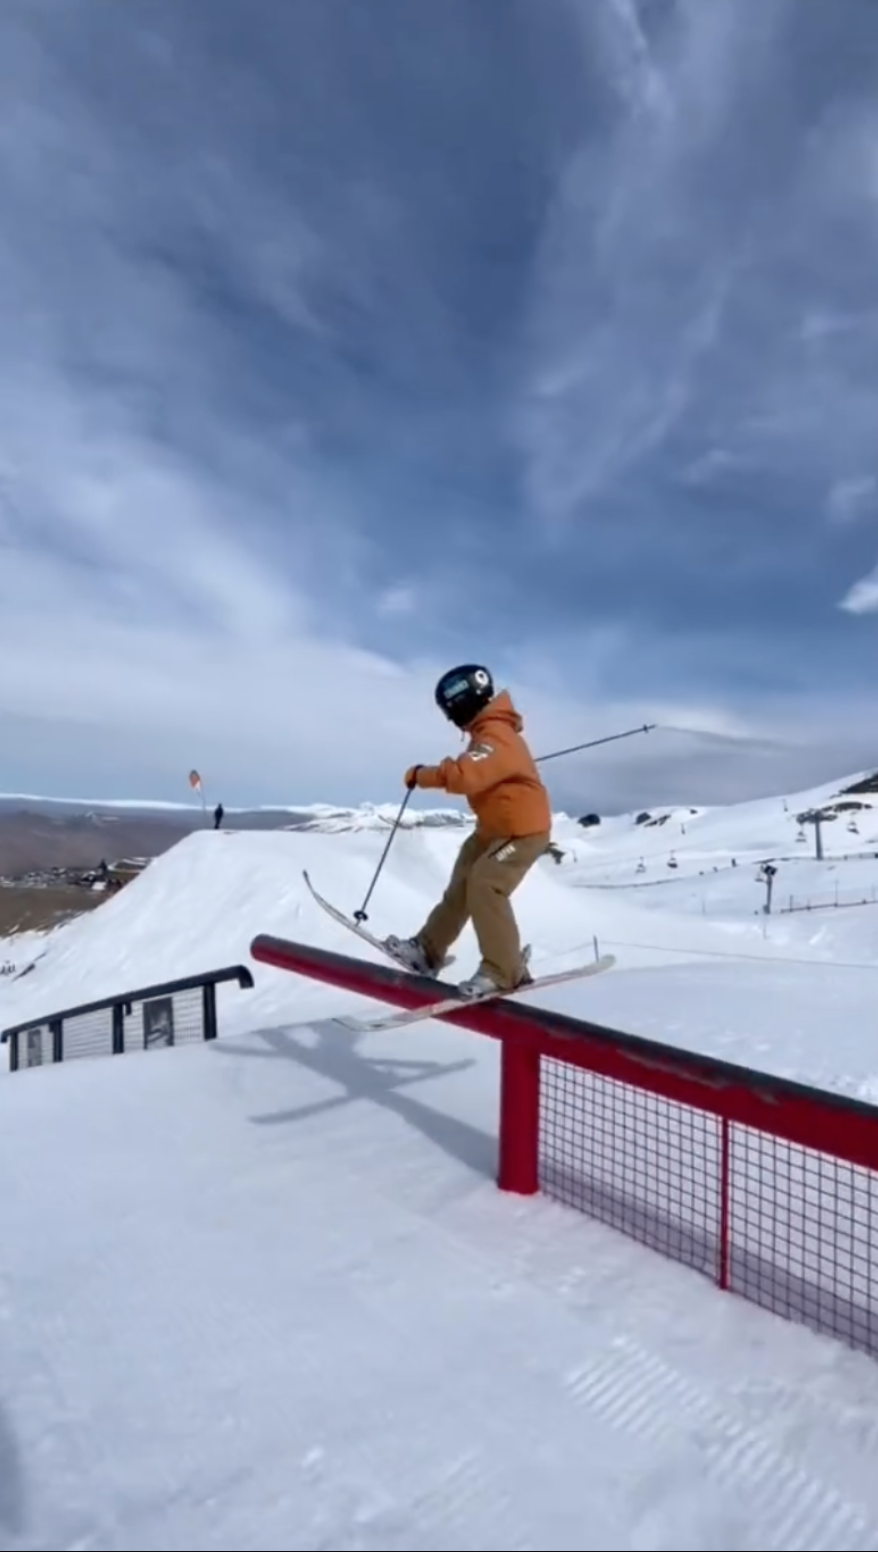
(721, 980)
(704, 838)
(264, 1294)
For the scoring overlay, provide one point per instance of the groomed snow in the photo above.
(264, 1294)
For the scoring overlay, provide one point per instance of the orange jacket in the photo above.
(496, 775)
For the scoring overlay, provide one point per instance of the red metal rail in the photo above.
(768, 1186)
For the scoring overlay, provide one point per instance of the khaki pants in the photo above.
(486, 873)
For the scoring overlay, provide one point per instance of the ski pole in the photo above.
(361, 915)
(612, 738)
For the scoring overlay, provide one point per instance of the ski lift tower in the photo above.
(813, 816)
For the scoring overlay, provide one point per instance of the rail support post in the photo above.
(518, 1164)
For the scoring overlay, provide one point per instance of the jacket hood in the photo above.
(500, 709)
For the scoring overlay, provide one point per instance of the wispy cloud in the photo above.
(862, 598)
(727, 205)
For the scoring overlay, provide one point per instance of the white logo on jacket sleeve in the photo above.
(480, 751)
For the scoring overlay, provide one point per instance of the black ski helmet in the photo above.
(463, 692)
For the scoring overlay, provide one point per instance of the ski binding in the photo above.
(454, 1002)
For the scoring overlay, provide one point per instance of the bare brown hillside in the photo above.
(34, 910)
(36, 836)
(30, 840)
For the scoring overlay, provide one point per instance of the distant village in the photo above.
(106, 878)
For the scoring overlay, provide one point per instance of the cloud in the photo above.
(690, 251)
(330, 360)
(854, 498)
(398, 600)
(862, 598)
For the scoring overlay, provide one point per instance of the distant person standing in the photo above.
(218, 815)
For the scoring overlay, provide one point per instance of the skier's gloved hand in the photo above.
(423, 776)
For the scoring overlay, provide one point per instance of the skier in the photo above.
(498, 777)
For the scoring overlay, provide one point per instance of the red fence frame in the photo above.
(822, 1145)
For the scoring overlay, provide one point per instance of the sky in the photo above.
(344, 343)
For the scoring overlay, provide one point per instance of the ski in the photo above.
(445, 1004)
(359, 930)
(399, 1020)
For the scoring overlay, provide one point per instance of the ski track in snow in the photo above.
(639, 1394)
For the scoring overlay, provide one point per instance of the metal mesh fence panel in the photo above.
(91, 1034)
(791, 1228)
(641, 1163)
(803, 1235)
